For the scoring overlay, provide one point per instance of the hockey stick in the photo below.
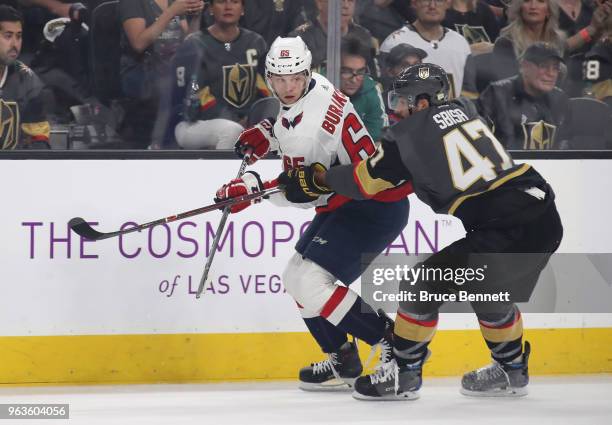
(82, 228)
(215, 244)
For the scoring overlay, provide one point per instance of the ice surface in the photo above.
(574, 400)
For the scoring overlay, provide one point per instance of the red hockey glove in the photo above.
(256, 139)
(248, 184)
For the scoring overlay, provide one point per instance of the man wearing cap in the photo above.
(401, 57)
(22, 124)
(528, 109)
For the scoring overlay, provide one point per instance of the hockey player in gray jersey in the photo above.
(457, 167)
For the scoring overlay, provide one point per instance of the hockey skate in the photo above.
(498, 379)
(391, 382)
(337, 373)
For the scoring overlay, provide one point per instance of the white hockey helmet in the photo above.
(287, 56)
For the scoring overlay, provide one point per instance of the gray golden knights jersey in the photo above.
(450, 52)
(447, 153)
(22, 117)
(229, 75)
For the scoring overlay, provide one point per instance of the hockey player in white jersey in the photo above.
(317, 124)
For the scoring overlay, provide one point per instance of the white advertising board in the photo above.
(54, 283)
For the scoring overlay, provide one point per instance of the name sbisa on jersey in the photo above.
(334, 113)
(449, 118)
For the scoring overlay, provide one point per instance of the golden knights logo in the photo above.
(539, 135)
(238, 84)
(9, 125)
(423, 73)
(473, 34)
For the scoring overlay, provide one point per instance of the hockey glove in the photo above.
(248, 184)
(300, 185)
(256, 139)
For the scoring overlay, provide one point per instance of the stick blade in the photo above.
(82, 228)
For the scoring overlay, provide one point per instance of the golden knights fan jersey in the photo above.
(323, 126)
(229, 75)
(22, 118)
(450, 52)
(447, 153)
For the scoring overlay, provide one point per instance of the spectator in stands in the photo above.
(382, 17)
(444, 47)
(574, 15)
(152, 33)
(314, 33)
(23, 122)
(597, 67)
(273, 18)
(218, 76)
(401, 57)
(475, 21)
(527, 110)
(365, 93)
(530, 21)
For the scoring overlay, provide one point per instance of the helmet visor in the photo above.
(396, 100)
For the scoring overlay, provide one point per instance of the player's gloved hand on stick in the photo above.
(300, 185)
(248, 184)
(256, 139)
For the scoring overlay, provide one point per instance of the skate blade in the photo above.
(507, 392)
(405, 396)
(330, 386)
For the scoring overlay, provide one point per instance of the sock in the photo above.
(503, 334)
(412, 335)
(328, 336)
(351, 314)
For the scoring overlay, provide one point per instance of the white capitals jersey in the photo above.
(324, 127)
(450, 52)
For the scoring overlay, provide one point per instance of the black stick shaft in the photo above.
(213, 248)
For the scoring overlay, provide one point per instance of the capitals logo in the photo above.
(285, 54)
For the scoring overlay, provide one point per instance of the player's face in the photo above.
(400, 107)
(10, 42)
(227, 12)
(430, 11)
(534, 12)
(288, 88)
(542, 77)
(352, 73)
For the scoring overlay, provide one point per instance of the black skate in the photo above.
(498, 379)
(337, 373)
(391, 382)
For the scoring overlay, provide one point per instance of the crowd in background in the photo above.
(189, 74)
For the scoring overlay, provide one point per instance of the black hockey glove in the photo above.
(300, 186)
